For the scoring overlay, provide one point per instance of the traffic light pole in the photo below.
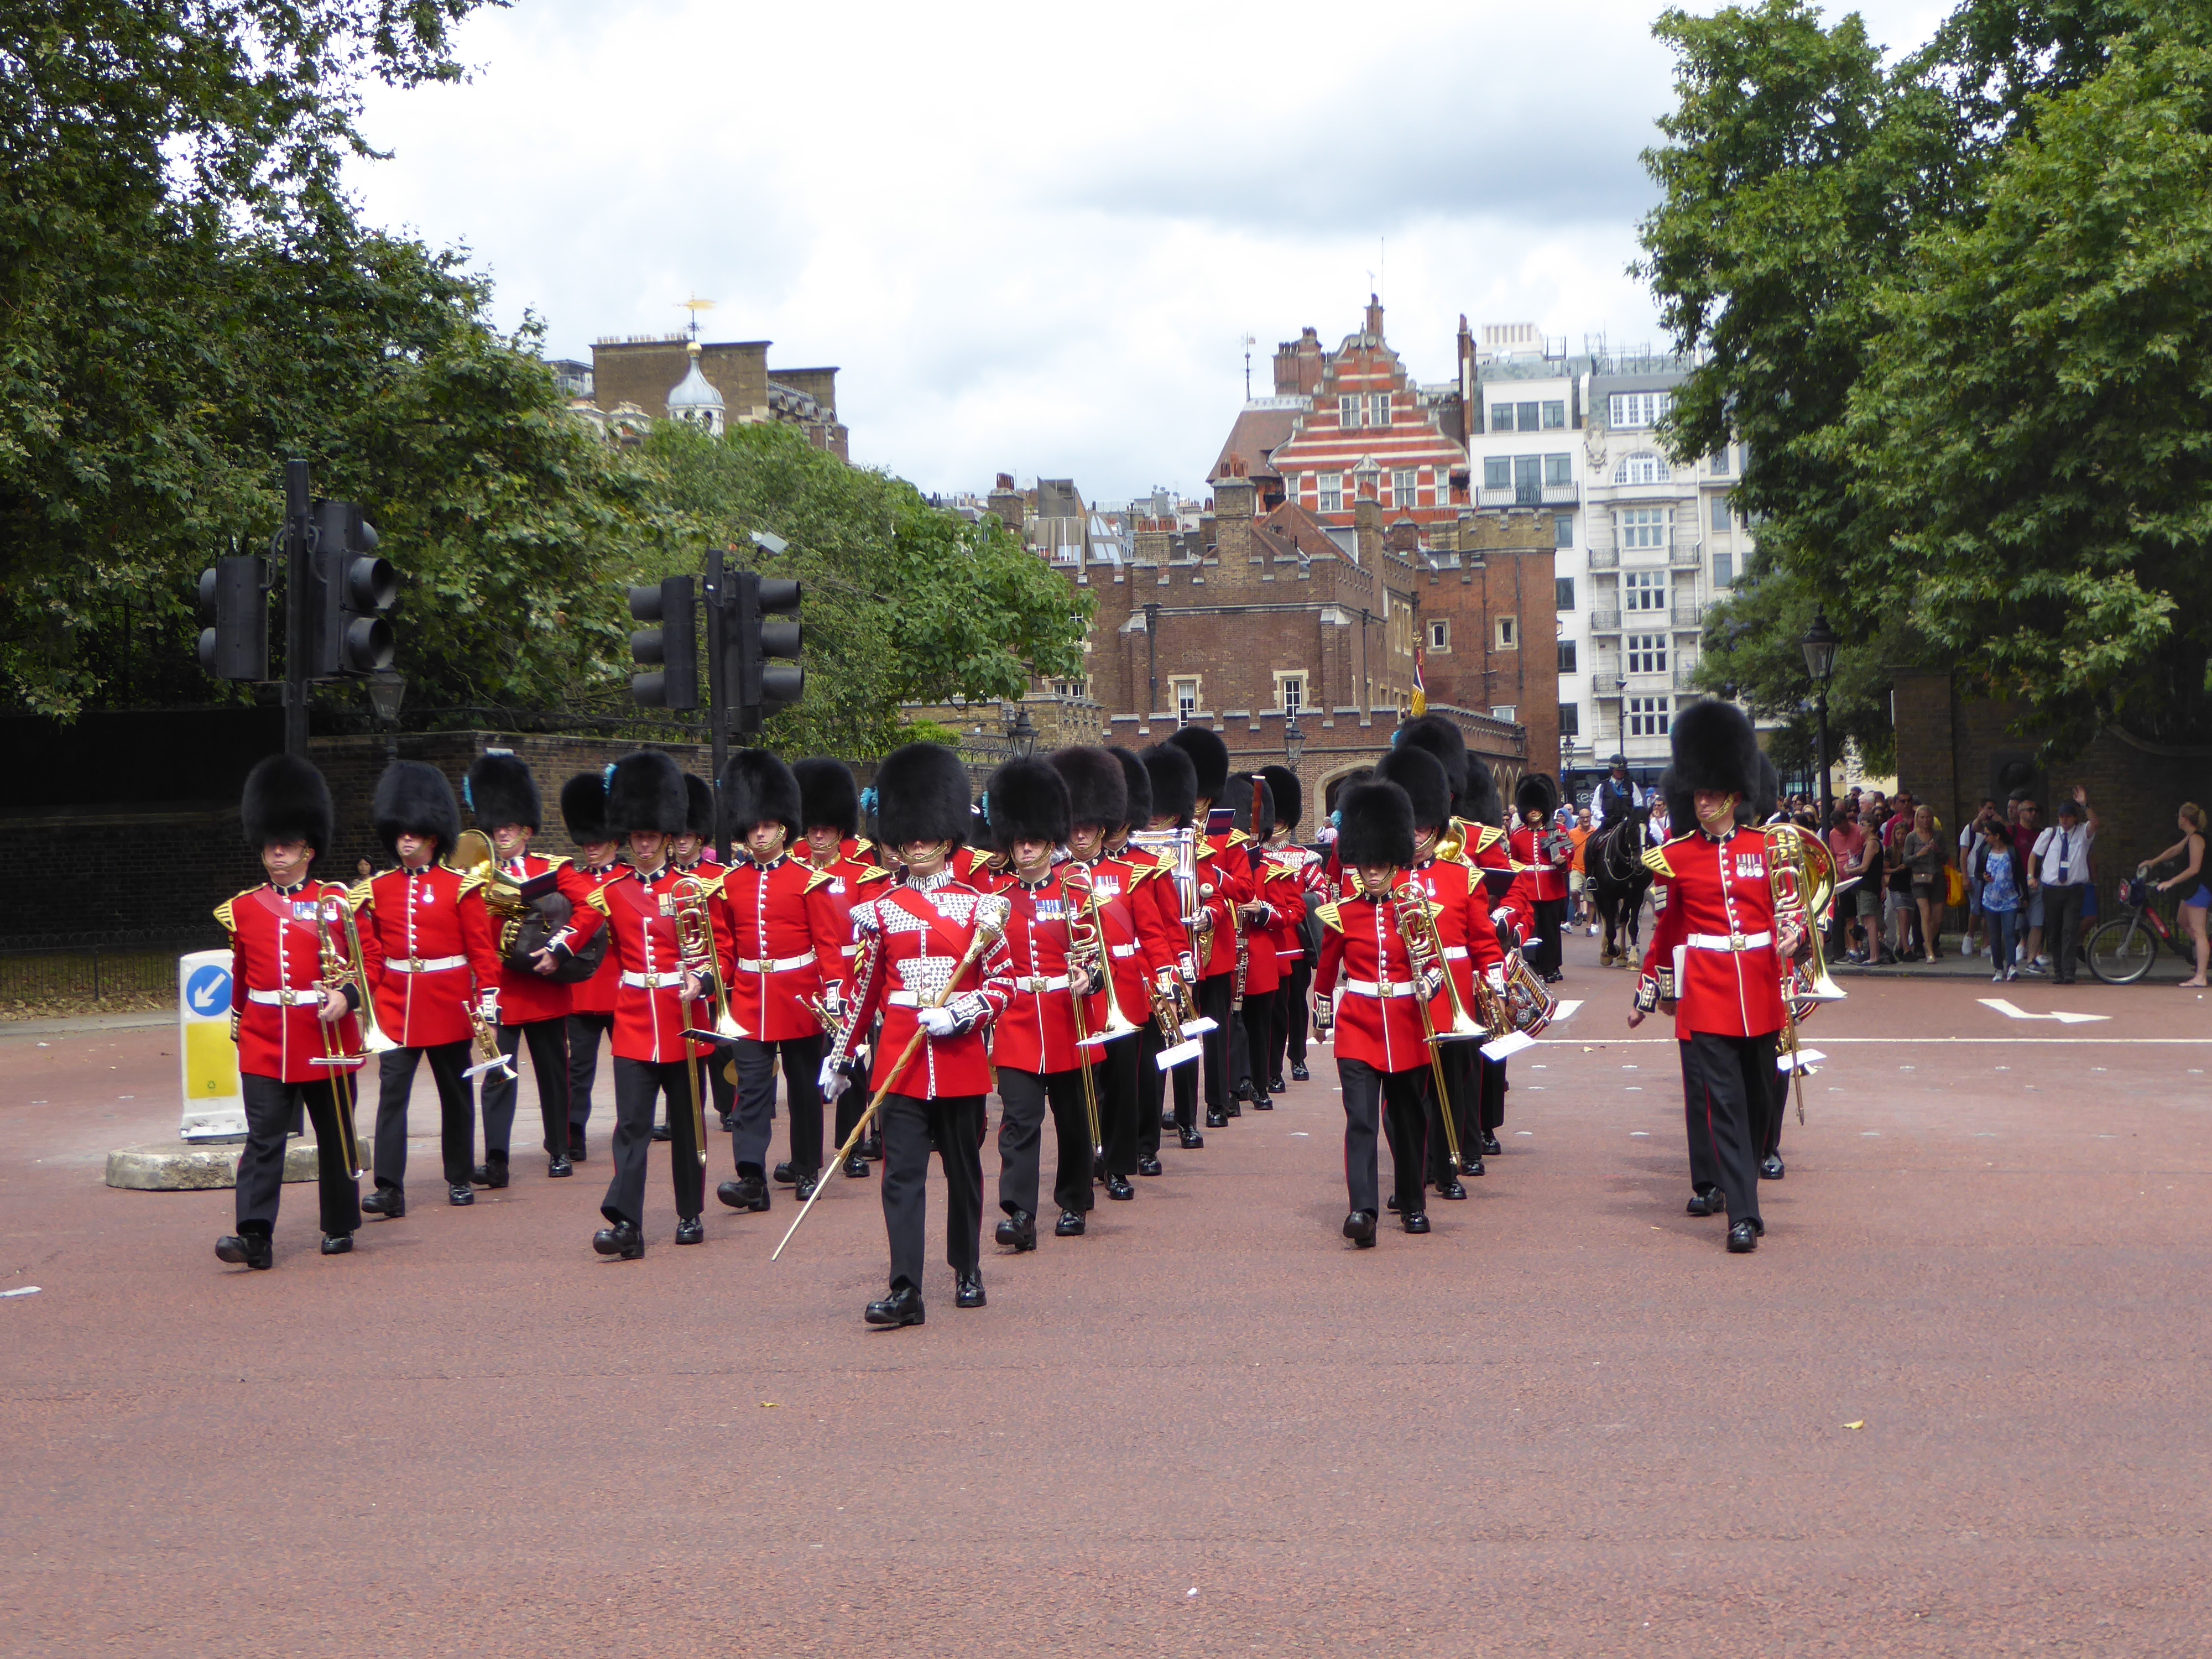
(718, 693)
(299, 619)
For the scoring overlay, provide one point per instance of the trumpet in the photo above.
(485, 1041)
(686, 901)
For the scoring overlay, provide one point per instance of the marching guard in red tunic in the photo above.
(787, 937)
(435, 970)
(830, 808)
(1382, 1048)
(1153, 912)
(533, 1005)
(1174, 783)
(1547, 851)
(1224, 885)
(591, 998)
(692, 853)
(1274, 894)
(284, 1016)
(930, 965)
(1716, 954)
(1295, 962)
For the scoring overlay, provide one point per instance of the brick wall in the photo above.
(644, 372)
(1506, 570)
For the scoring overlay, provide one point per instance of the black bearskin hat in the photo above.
(1377, 825)
(757, 788)
(1174, 780)
(1762, 808)
(1139, 788)
(1028, 801)
(1421, 776)
(698, 808)
(921, 794)
(1097, 791)
(1290, 794)
(1210, 756)
(1443, 739)
(646, 792)
(1479, 802)
(286, 800)
(827, 795)
(1240, 800)
(500, 789)
(1714, 748)
(584, 808)
(1681, 806)
(1536, 792)
(414, 798)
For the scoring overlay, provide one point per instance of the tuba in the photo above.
(473, 855)
(1801, 871)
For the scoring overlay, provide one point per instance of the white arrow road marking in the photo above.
(2011, 1013)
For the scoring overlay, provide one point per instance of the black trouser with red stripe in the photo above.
(457, 1111)
(585, 1030)
(1398, 1103)
(269, 1105)
(549, 1060)
(638, 1085)
(1727, 1086)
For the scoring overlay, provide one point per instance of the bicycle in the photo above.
(2121, 950)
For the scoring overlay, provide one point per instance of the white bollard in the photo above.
(214, 1109)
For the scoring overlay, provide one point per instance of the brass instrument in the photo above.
(685, 903)
(991, 913)
(1417, 925)
(1086, 948)
(1800, 873)
(473, 855)
(1183, 845)
(1118, 1024)
(336, 974)
(1409, 909)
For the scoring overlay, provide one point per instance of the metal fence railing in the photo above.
(46, 974)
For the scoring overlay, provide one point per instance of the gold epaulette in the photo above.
(1486, 835)
(358, 894)
(555, 861)
(819, 879)
(223, 914)
(1655, 861)
(1332, 916)
(471, 882)
(862, 844)
(1236, 839)
(877, 874)
(597, 898)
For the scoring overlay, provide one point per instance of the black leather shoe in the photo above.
(746, 1192)
(856, 1168)
(1234, 1108)
(1709, 1202)
(784, 1177)
(660, 1131)
(246, 1250)
(1275, 1083)
(390, 1202)
(969, 1291)
(1770, 1167)
(560, 1169)
(729, 1123)
(1070, 1225)
(1018, 1232)
(1215, 1121)
(578, 1152)
(803, 1188)
(1489, 1146)
(1167, 1120)
(1298, 1072)
(1359, 1228)
(1262, 1103)
(1470, 1166)
(691, 1229)
(460, 1195)
(1244, 1090)
(622, 1239)
(1147, 1164)
(1189, 1140)
(337, 1243)
(1450, 1186)
(1415, 1221)
(1391, 1202)
(871, 1148)
(1118, 1188)
(493, 1175)
(902, 1307)
(1743, 1238)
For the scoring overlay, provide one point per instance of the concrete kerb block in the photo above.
(179, 1166)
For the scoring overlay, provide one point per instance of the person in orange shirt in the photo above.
(1578, 887)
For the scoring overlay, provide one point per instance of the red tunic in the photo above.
(1547, 875)
(1225, 881)
(430, 951)
(275, 947)
(849, 876)
(1137, 943)
(595, 995)
(1305, 869)
(1712, 942)
(787, 938)
(911, 937)
(1036, 1033)
(1378, 1021)
(1470, 938)
(526, 997)
(650, 1014)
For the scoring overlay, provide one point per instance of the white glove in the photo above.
(831, 1081)
(939, 1022)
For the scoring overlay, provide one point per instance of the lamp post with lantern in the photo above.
(1819, 642)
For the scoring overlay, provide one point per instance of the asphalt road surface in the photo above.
(1956, 1404)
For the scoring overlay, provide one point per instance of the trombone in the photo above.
(1086, 950)
(685, 903)
(337, 972)
(1417, 926)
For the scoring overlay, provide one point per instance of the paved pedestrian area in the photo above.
(1954, 1406)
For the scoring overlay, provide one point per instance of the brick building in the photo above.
(639, 371)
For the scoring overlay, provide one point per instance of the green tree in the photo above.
(904, 602)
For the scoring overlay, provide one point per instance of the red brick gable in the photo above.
(1367, 427)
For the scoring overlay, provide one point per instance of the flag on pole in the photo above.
(1420, 691)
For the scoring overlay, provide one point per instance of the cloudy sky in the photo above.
(1033, 242)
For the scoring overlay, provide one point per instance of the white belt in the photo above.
(1368, 987)
(775, 964)
(422, 964)
(906, 999)
(1040, 983)
(1455, 953)
(1121, 952)
(288, 996)
(652, 981)
(1731, 942)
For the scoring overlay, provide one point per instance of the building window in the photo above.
(1643, 590)
(1564, 586)
(1402, 487)
(1571, 719)
(1647, 717)
(1641, 526)
(1501, 417)
(1378, 410)
(1071, 688)
(1642, 468)
(1440, 635)
(1332, 492)
(1647, 653)
(1508, 633)
(1558, 469)
(1497, 472)
(1555, 416)
(1347, 410)
(1719, 462)
(1631, 409)
(1509, 713)
(1721, 514)
(1186, 701)
(1567, 658)
(1723, 570)
(1525, 417)
(1563, 531)
(1291, 693)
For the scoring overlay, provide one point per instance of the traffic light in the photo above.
(673, 645)
(234, 641)
(351, 589)
(766, 628)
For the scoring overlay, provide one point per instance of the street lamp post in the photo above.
(1819, 643)
(1021, 735)
(386, 692)
(1294, 742)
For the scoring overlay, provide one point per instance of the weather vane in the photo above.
(694, 304)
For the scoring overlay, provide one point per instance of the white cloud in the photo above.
(1033, 241)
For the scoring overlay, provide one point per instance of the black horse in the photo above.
(1615, 869)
